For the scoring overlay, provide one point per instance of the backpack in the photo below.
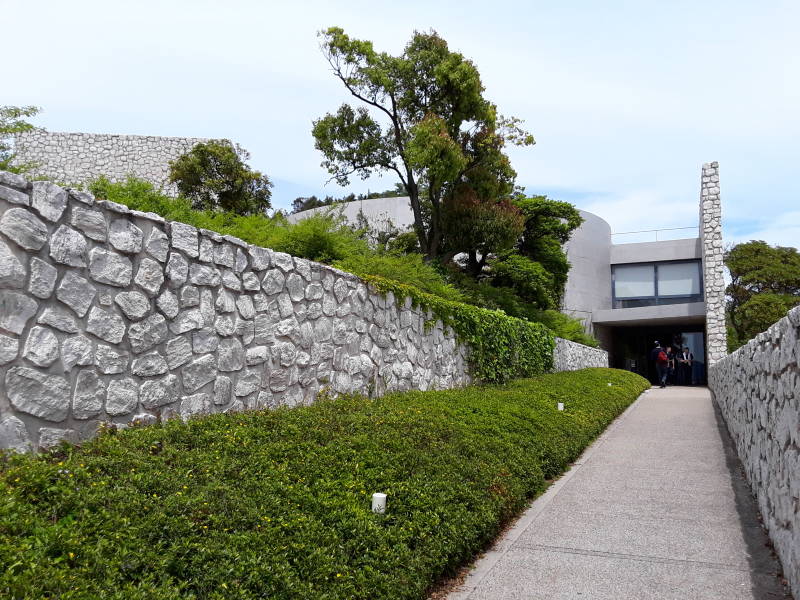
(662, 358)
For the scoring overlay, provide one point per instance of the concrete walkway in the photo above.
(657, 508)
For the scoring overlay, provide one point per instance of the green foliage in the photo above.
(214, 176)
(765, 284)
(486, 295)
(565, 326)
(501, 347)
(548, 226)
(529, 279)
(437, 129)
(408, 269)
(13, 121)
(276, 504)
(479, 227)
(320, 237)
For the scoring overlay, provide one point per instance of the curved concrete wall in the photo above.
(589, 284)
(378, 211)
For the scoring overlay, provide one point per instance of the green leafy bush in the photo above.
(408, 269)
(275, 504)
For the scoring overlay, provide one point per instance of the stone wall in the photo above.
(111, 315)
(757, 389)
(74, 158)
(571, 356)
(712, 252)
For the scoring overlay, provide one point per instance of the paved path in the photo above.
(657, 508)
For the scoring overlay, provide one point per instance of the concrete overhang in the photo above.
(664, 314)
(656, 251)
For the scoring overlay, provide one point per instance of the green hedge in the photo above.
(276, 504)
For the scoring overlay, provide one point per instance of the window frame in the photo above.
(700, 297)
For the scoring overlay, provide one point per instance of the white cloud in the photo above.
(781, 231)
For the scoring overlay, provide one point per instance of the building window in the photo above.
(649, 284)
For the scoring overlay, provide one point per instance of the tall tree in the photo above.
(765, 284)
(214, 176)
(436, 129)
(13, 121)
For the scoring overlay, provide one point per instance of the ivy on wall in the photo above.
(501, 347)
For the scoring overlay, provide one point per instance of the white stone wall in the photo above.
(111, 315)
(713, 266)
(75, 158)
(757, 389)
(571, 356)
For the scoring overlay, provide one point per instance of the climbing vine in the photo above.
(501, 347)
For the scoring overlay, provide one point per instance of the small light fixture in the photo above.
(560, 406)
(379, 503)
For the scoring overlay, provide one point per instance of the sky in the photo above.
(626, 99)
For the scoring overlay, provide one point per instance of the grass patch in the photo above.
(276, 504)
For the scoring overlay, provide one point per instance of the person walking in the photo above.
(672, 353)
(685, 360)
(659, 357)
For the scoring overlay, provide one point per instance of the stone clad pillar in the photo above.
(713, 279)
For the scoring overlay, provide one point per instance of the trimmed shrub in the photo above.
(276, 504)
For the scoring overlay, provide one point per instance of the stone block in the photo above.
(122, 397)
(106, 325)
(23, 228)
(90, 391)
(48, 200)
(179, 352)
(12, 269)
(157, 244)
(106, 266)
(199, 372)
(149, 276)
(35, 393)
(159, 392)
(68, 247)
(91, 222)
(111, 360)
(14, 435)
(184, 238)
(16, 309)
(76, 350)
(134, 305)
(43, 278)
(9, 349)
(149, 365)
(148, 333)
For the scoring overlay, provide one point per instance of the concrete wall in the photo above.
(687, 249)
(713, 266)
(75, 158)
(109, 315)
(757, 389)
(381, 213)
(571, 356)
(588, 286)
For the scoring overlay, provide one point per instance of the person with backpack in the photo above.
(661, 360)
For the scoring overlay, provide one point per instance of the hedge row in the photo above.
(276, 504)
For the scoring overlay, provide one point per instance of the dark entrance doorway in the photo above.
(631, 347)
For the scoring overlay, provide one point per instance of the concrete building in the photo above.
(628, 295)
